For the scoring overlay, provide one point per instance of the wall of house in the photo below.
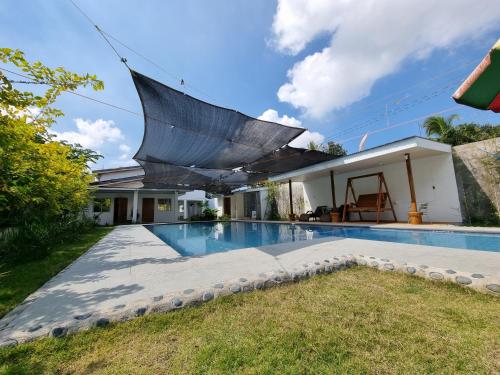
(435, 186)
(237, 206)
(160, 216)
(106, 218)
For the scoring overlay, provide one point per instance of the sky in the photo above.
(341, 69)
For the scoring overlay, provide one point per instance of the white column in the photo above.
(185, 209)
(176, 205)
(134, 206)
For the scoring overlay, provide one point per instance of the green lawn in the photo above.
(354, 321)
(18, 282)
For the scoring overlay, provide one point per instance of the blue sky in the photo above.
(338, 69)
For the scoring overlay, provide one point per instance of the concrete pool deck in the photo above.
(132, 265)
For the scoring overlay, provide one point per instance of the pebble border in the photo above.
(192, 297)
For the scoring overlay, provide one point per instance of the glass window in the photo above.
(164, 204)
(102, 204)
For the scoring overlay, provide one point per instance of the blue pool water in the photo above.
(214, 237)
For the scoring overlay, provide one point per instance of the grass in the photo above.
(358, 321)
(19, 281)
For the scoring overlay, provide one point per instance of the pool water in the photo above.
(213, 237)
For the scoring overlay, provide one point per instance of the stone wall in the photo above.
(477, 169)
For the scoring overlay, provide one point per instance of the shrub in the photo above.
(34, 240)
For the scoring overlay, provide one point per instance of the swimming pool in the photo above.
(214, 237)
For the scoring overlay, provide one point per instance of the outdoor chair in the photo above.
(320, 210)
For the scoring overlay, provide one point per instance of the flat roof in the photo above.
(388, 153)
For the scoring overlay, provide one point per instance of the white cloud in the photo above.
(370, 39)
(92, 134)
(126, 150)
(303, 139)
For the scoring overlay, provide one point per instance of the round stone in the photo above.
(374, 264)
(219, 286)
(235, 288)
(477, 276)
(411, 270)
(118, 307)
(384, 260)
(157, 298)
(423, 266)
(82, 316)
(35, 328)
(243, 280)
(102, 322)
(207, 296)
(188, 291)
(140, 311)
(177, 302)
(372, 257)
(316, 263)
(277, 278)
(305, 265)
(463, 280)
(495, 288)
(58, 331)
(8, 342)
(326, 261)
(259, 284)
(436, 275)
(451, 272)
(389, 266)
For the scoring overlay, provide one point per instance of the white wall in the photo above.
(237, 206)
(106, 218)
(160, 216)
(435, 185)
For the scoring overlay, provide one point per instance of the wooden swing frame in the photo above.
(380, 200)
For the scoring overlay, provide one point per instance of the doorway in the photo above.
(120, 211)
(148, 210)
(227, 206)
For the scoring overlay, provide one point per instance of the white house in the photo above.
(120, 198)
(433, 175)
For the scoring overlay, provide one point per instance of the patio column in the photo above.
(414, 217)
(292, 216)
(185, 209)
(176, 205)
(332, 187)
(134, 206)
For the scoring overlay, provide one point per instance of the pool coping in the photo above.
(396, 226)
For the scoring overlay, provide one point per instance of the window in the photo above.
(165, 204)
(102, 204)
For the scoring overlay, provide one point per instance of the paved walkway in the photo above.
(132, 264)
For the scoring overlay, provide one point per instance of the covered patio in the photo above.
(419, 175)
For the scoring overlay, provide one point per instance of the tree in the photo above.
(313, 146)
(40, 177)
(335, 149)
(442, 130)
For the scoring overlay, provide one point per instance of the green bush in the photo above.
(35, 239)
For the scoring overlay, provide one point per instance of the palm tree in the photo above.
(442, 129)
(313, 146)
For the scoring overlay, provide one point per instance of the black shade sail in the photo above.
(191, 144)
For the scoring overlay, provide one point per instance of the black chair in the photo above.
(320, 210)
